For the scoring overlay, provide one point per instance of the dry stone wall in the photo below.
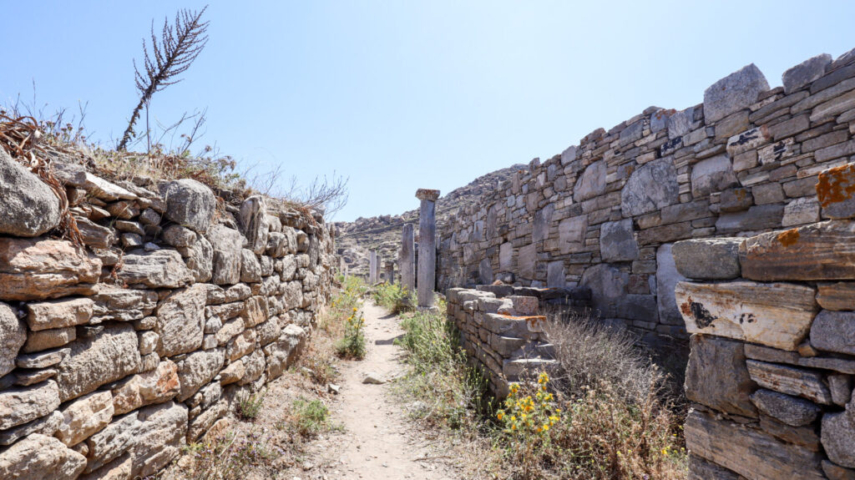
(772, 360)
(117, 352)
(606, 213)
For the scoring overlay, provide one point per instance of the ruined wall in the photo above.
(605, 213)
(773, 346)
(118, 352)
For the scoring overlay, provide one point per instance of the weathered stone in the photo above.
(21, 405)
(778, 314)
(255, 311)
(838, 438)
(805, 73)
(40, 457)
(700, 469)
(162, 433)
(59, 313)
(95, 235)
(42, 359)
(36, 269)
(822, 251)
(806, 436)
(617, 242)
(542, 221)
(104, 190)
(112, 442)
(178, 236)
(84, 417)
(571, 234)
(748, 452)
(118, 469)
(255, 365)
(189, 203)
(122, 304)
(758, 217)
(717, 376)
(45, 339)
(608, 285)
(156, 269)
(800, 212)
(229, 329)
(667, 278)
(201, 423)
(834, 190)
(93, 362)
(733, 92)
(680, 123)
(253, 223)
(527, 261)
(737, 200)
(241, 345)
(198, 369)
(250, 271)
(29, 207)
(836, 472)
(13, 335)
(836, 296)
(181, 321)
(227, 245)
(709, 258)
(841, 388)
(201, 259)
(155, 386)
(233, 373)
(44, 425)
(793, 411)
(426, 271)
(591, 183)
(25, 378)
(283, 353)
(555, 275)
(148, 342)
(834, 332)
(712, 175)
(206, 396)
(790, 380)
(650, 188)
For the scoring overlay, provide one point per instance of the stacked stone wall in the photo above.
(772, 318)
(118, 350)
(605, 213)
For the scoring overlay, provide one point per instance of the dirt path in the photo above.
(378, 442)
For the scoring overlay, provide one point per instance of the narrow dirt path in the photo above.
(378, 442)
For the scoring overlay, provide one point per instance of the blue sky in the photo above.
(401, 95)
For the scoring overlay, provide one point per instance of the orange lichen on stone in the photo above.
(790, 237)
(836, 185)
(531, 319)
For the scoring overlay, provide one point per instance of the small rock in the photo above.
(372, 378)
(333, 388)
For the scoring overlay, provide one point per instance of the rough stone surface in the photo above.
(252, 218)
(84, 417)
(838, 438)
(155, 269)
(712, 175)
(708, 258)
(717, 376)
(40, 457)
(59, 313)
(591, 183)
(156, 386)
(159, 438)
(227, 245)
(608, 285)
(734, 92)
(790, 380)
(29, 207)
(36, 269)
(834, 332)
(181, 321)
(189, 203)
(793, 411)
(21, 405)
(13, 335)
(617, 242)
(667, 278)
(197, 369)
(806, 72)
(651, 187)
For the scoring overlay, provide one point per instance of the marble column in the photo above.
(427, 245)
(390, 272)
(407, 259)
(372, 268)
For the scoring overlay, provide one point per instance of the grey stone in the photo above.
(25, 404)
(591, 183)
(838, 438)
(650, 188)
(737, 200)
(95, 235)
(13, 335)
(801, 211)
(178, 236)
(506, 256)
(568, 155)
(485, 271)
(197, 369)
(555, 275)
(667, 278)
(712, 175)
(253, 223)
(122, 304)
(427, 246)
(44, 425)
(527, 261)
(201, 259)
(29, 207)
(758, 217)
(40, 457)
(717, 375)
(159, 438)
(608, 285)
(181, 321)
(793, 411)
(836, 472)
(709, 258)
(44, 359)
(131, 240)
(227, 245)
(680, 123)
(571, 234)
(733, 92)
(834, 332)
(110, 443)
(617, 241)
(189, 203)
(542, 220)
(157, 269)
(806, 72)
(250, 269)
(841, 388)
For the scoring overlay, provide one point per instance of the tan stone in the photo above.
(45, 339)
(181, 321)
(111, 355)
(790, 380)
(156, 386)
(836, 296)
(21, 405)
(36, 269)
(59, 313)
(40, 457)
(775, 314)
(84, 417)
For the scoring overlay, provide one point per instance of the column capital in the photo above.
(427, 194)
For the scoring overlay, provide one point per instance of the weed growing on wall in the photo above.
(227, 457)
(249, 405)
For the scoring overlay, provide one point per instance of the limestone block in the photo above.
(42, 359)
(84, 417)
(59, 313)
(717, 375)
(42, 457)
(256, 310)
(250, 270)
(733, 92)
(112, 442)
(708, 258)
(758, 217)
(181, 321)
(801, 211)
(21, 405)
(29, 207)
(229, 329)
(123, 304)
(203, 422)
(159, 438)
(253, 223)
(822, 251)
(36, 269)
(241, 345)
(178, 236)
(506, 257)
(778, 314)
(790, 380)
(834, 332)
(283, 353)
(197, 369)
(155, 386)
(111, 355)
(255, 365)
(712, 175)
(200, 260)
(667, 278)
(617, 241)
(189, 203)
(13, 335)
(227, 257)
(527, 261)
(793, 411)
(268, 331)
(650, 188)
(155, 269)
(234, 372)
(571, 234)
(45, 425)
(95, 235)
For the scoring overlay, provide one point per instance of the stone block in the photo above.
(84, 417)
(717, 376)
(591, 183)
(790, 380)
(189, 203)
(734, 92)
(617, 242)
(737, 200)
(834, 190)
(796, 412)
(527, 261)
(571, 234)
(13, 335)
(805, 73)
(37, 269)
(667, 277)
(836, 296)
(712, 175)
(155, 269)
(758, 217)
(608, 285)
(181, 321)
(42, 457)
(712, 258)
(801, 211)
(22, 405)
(838, 438)
(651, 187)
(778, 314)
(834, 332)
(29, 208)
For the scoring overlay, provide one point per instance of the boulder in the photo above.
(29, 207)
(84, 417)
(250, 269)
(227, 245)
(189, 203)
(197, 369)
(734, 92)
(40, 457)
(793, 411)
(650, 188)
(181, 321)
(13, 335)
(155, 269)
(708, 258)
(21, 405)
(36, 269)
(717, 376)
(109, 356)
(617, 242)
(155, 386)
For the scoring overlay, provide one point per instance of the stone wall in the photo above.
(117, 352)
(502, 328)
(605, 213)
(772, 356)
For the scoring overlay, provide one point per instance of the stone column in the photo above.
(427, 245)
(372, 268)
(390, 272)
(407, 259)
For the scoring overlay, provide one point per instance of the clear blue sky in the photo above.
(400, 95)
